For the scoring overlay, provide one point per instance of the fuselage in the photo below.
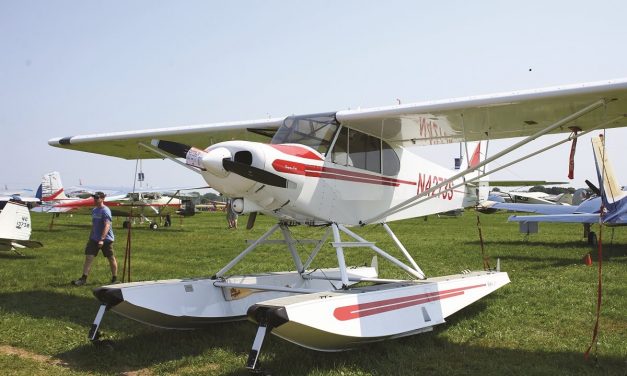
(318, 172)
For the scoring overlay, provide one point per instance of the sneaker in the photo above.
(79, 282)
(114, 279)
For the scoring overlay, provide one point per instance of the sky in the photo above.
(84, 67)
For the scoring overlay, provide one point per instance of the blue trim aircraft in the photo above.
(608, 208)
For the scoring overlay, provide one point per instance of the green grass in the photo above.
(540, 324)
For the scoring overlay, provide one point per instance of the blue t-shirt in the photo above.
(99, 216)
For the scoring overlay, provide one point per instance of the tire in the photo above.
(592, 239)
(154, 226)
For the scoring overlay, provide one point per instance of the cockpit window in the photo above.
(359, 150)
(315, 131)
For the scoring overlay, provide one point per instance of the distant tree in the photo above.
(537, 188)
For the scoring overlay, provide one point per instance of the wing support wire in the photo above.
(167, 156)
(412, 201)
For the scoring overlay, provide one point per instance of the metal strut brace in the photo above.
(337, 243)
(559, 123)
(247, 251)
(289, 239)
(361, 242)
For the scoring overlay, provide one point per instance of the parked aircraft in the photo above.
(15, 227)
(346, 168)
(609, 208)
(138, 204)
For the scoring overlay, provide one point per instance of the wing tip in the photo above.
(60, 141)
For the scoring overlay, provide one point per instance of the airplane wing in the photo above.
(19, 198)
(557, 218)
(504, 115)
(51, 209)
(535, 208)
(125, 144)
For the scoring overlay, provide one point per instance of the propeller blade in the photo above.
(254, 173)
(251, 220)
(174, 148)
(593, 188)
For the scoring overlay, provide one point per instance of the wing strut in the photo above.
(405, 204)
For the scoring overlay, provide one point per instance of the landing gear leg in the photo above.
(94, 334)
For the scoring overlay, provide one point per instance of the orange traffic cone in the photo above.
(587, 259)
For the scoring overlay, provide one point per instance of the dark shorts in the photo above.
(92, 248)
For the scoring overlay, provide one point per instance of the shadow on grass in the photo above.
(429, 354)
(10, 255)
(45, 304)
(158, 346)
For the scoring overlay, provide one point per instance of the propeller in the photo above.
(254, 173)
(174, 148)
(593, 188)
(251, 220)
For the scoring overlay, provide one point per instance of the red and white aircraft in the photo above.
(340, 169)
(137, 204)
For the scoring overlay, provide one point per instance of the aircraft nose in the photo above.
(212, 161)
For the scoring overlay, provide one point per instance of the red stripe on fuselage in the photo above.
(368, 309)
(53, 196)
(291, 167)
(297, 151)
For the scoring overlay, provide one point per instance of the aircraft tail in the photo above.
(15, 222)
(51, 188)
(477, 191)
(611, 191)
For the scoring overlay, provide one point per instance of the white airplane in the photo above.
(340, 169)
(15, 227)
(144, 203)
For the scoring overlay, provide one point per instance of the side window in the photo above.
(364, 151)
(391, 163)
(356, 149)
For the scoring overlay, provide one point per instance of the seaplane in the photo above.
(15, 226)
(145, 204)
(336, 171)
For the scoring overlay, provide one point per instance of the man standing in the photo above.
(101, 237)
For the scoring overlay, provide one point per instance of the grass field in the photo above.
(539, 324)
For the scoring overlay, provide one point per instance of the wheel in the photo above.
(125, 224)
(592, 238)
(154, 226)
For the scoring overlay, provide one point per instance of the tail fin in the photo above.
(15, 222)
(477, 191)
(52, 187)
(611, 191)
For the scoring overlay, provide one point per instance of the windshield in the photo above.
(315, 131)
